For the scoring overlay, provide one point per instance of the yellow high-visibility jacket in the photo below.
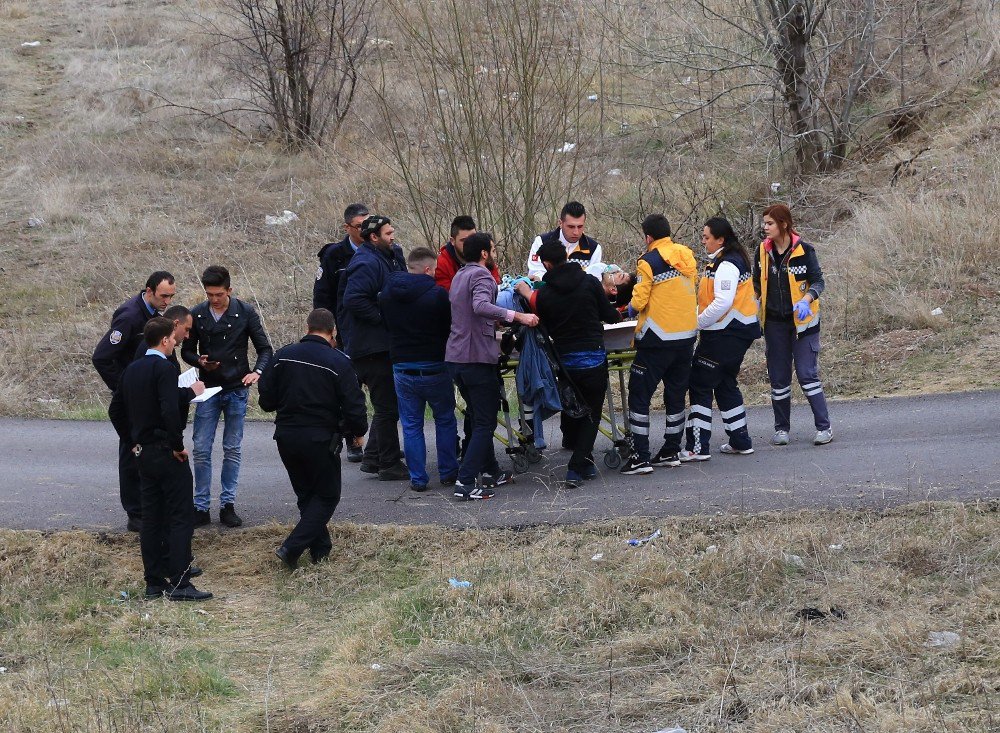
(664, 295)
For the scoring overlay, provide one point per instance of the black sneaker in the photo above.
(504, 477)
(134, 524)
(202, 517)
(229, 517)
(663, 458)
(449, 480)
(399, 472)
(473, 493)
(355, 454)
(368, 467)
(187, 593)
(635, 466)
(421, 488)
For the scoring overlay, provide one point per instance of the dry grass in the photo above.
(673, 633)
(126, 187)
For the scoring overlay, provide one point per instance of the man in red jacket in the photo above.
(451, 259)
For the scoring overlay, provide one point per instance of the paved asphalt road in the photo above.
(60, 475)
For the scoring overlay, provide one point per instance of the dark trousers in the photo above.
(480, 383)
(167, 489)
(314, 471)
(592, 385)
(128, 481)
(670, 365)
(782, 346)
(714, 372)
(375, 372)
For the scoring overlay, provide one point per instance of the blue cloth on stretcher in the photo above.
(535, 380)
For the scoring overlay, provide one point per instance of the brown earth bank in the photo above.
(124, 184)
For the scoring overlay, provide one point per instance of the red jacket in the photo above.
(448, 264)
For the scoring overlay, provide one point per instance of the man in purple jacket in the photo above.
(472, 354)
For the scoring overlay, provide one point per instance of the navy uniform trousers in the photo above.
(167, 493)
(671, 365)
(782, 346)
(314, 470)
(714, 372)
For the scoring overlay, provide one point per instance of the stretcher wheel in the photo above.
(611, 458)
(520, 462)
(532, 454)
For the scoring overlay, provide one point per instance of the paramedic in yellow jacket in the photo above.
(788, 280)
(727, 322)
(664, 300)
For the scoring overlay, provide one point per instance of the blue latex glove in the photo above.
(631, 312)
(802, 309)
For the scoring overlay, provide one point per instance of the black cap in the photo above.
(372, 224)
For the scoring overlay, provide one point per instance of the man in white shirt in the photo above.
(579, 247)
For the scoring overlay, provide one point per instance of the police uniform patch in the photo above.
(802, 287)
(638, 279)
(534, 258)
(319, 272)
(726, 285)
(116, 337)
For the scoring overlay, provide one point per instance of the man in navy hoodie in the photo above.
(418, 315)
(366, 341)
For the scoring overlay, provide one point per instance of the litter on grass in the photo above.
(942, 639)
(937, 312)
(598, 557)
(794, 561)
(286, 218)
(31, 44)
(456, 583)
(567, 148)
(644, 540)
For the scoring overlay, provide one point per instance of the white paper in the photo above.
(207, 394)
(188, 378)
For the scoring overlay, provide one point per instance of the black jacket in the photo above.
(572, 306)
(314, 390)
(360, 320)
(417, 313)
(117, 348)
(227, 342)
(145, 408)
(333, 260)
(184, 394)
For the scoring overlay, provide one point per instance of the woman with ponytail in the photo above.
(788, 280)
(727, 321)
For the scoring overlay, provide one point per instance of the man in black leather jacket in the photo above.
(224, 327)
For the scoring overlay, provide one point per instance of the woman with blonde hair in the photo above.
(788, 281)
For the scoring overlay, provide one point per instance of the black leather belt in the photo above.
(421, 372)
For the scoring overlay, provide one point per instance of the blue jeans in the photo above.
(232, 407)
(480, 383)
(413, 394)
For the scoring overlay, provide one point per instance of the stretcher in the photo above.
(515, 430)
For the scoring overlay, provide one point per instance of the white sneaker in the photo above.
(823, 437)
(686, 456)
(726, 448)
(780, 437)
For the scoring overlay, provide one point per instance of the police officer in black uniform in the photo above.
(328, 289)
(333, 260)
(316, 395)
(146, 413)
(116, 351)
